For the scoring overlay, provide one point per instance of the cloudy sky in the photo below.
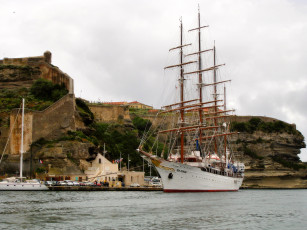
(116, 50)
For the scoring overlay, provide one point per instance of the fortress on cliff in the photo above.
(52, 123)
(23, 72)
(18, 73)
(61, 116)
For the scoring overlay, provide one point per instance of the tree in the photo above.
(47, 91)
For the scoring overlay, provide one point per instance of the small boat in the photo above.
(17, 184)
(20, 184)
(189, 143)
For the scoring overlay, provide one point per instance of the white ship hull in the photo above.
(185, 178)
(22, 186)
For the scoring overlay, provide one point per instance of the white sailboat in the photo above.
(194, 132)
(20, 184)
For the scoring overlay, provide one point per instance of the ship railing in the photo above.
(222, 173)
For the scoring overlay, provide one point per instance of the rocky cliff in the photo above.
(269, 148)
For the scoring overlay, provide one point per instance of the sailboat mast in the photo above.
(21, 142)
(181, 93)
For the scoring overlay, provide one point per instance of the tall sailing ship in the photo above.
(189, 143)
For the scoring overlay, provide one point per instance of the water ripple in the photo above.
(252, 209)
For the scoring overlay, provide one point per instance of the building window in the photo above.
(99, 161)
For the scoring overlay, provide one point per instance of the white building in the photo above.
(102, 170)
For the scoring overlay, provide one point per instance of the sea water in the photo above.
(245, 209)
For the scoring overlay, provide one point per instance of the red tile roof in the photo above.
(134, 102)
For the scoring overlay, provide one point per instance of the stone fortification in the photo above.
(22, 72)
(49, 124)
(108, 113)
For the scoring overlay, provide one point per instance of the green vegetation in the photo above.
(151, 145)
(120, 140)
(261, 165)
(72, 159)
(40, 170)
(84, 111)
(42, 94)
(249, 152)
(47, 91)
(156, 148)
(256, 124)
(138, 112)
(141, 124)
(25, 72)
(287, 163)
(15, 67)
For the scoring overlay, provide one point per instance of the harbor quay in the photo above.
(98, 188)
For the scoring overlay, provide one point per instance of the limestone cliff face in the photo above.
(65, 157)
(271, 159)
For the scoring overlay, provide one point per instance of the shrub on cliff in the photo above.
(45, 90)
(249, 152)
(256, 124)
(288, 163)
(141, 124)
(85, 112)
(239, 126)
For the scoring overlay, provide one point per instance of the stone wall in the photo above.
(45, 124)
(107, 113)
(56, 120)
(15, 123)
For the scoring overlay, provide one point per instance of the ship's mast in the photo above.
(226, 128)
(181, 83)
(215, 95)
(181, 94)
(200, 79)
